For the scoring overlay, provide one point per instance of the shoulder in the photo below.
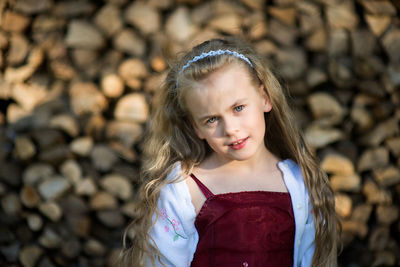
(175, 199)
(175, 188)
(294, 181)
(291, 171)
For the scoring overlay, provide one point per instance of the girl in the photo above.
(228, 179)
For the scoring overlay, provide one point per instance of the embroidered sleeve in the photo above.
(174, 232)
(171, 226)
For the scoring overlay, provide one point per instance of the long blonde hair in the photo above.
(172, 139)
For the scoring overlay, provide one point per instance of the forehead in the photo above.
(220, 90)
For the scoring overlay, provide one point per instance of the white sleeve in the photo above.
(302, 209)
(307, 240)
(174, 232)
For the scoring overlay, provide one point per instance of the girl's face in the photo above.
(227, 110)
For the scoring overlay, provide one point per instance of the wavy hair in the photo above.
(172, 139)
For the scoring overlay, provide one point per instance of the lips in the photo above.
(238, 144)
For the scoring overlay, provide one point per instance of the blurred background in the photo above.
(77, 80)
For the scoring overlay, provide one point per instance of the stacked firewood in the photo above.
(77, 80)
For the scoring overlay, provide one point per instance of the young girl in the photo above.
(228, 179)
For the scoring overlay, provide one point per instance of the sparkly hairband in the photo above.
(217, 53)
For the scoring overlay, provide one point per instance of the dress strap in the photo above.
(207, 193)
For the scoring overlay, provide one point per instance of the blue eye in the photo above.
(239, 108)
(211, 120)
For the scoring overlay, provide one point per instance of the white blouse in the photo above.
(176, 236)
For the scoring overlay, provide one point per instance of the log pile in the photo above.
(76, 85)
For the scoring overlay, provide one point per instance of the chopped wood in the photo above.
(257, 26)
(254, 4)
(325, 109)
(24, 148)
(79, 78)
(29, 255)
(350, 182)
(227, 23)
(32, 6)
(50, 239)
(387, 176)
(103, 200)
(180, 26)
(379, 7)
(112, 85)
(359, 228)
(143, 16)
(18, 49)
(317, 136)
(381, 132)
(73, 8)
(386, 215)
(51, 210)
(379, 238)
(83, 58)
(132, 68)
(285, 15)
(158, 64)
(65, 122)
(391, 43)
(342, 15)
(103, 158)
(82, 34)
(337, 164)
(71, 170)
(128, 133)
(129, 42)
(394, 146)
(282, 33)
(86, 187)
(94, 248)
(317, 41)
(343, 205)
(15, 22)
(132, 107)
(384, 258)
(117, 185)
(29, 196)
(362, 118)
(11, 204)
(373, 158)
(338, 42)
(378, 24)
(86, 98)
(362, 213)
(35, 222)
(111, 218)
(82, 146)
(54, 187)
(376, 195)
(108, 19)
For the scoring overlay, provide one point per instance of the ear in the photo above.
(266, 102)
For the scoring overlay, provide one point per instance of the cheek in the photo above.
(198, 132)
(258, 121)
(211, 135)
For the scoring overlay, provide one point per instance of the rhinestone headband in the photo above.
(217, 53)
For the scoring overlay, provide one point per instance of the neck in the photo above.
(262, 160)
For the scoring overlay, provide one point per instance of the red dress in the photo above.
(244, 229)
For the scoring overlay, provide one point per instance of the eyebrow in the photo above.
(241, 100)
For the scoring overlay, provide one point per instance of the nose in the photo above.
(231, 126)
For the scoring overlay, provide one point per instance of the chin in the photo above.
(243, 157)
